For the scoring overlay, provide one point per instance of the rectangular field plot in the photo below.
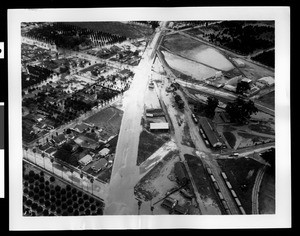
(107, 120)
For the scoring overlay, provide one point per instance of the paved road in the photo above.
(125, 173)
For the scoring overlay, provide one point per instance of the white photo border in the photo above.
(282, 218)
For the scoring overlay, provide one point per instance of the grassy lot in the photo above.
(148, 144)
(260, 128)
(254, 138)
(200, 177)
(178, 43)
(230, 137)
(241, 172)
(269, 99)
(118, 28)
(109, 120)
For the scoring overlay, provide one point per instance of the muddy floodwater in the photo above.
(194, 69)
(209, 56)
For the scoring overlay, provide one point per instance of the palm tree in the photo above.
(43, 156)
(81, 176)
(92, 181)
(71, 170)
(34, 151)
(26, 149)
(52, 160)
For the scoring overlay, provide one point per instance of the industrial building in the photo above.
(159, 126)
(209, 132)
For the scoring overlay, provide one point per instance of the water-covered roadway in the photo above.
(125, 172)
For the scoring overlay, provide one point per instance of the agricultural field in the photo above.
(45, 195)
(108, 121)
(196, 60)
(128, 30)
(198, 52)
(187, 67)
(241, 174)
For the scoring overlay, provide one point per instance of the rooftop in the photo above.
(86, 159)
(209, 132)
(159, 125)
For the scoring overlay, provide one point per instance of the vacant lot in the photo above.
(156, 182)
(178, 43)
(269, 99)
(148, 144)
(109, 120)
(230, 138)
(262, 128)
(118, 28)
(187, 67)
(241, 174)
(203, 183)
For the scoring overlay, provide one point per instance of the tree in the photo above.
(242, 87)
(240, 110)
(34, 151)
(64, 152)
(43, 156)
(92, 181)
(212, 104)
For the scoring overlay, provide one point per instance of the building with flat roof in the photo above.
(159, 126)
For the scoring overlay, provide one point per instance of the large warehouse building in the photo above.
(209, 133)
